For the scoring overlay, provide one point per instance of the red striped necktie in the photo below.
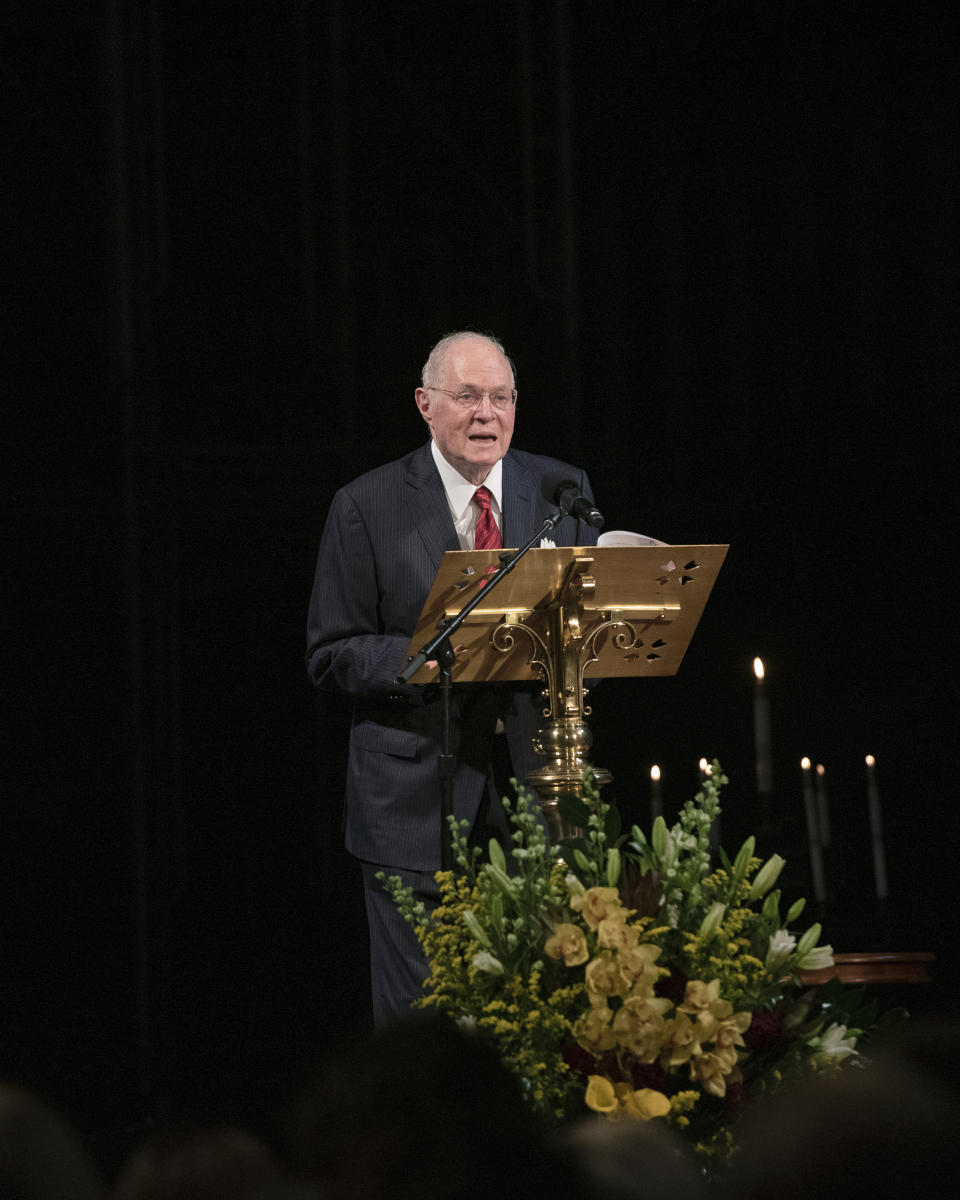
(486, 535)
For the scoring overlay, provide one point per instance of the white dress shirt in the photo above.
(460, 497)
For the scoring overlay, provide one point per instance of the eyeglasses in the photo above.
(470, 398)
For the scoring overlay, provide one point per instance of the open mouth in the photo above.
(483, 437)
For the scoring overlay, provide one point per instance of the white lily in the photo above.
(835, 1044)
(781, 946)
(816, 959)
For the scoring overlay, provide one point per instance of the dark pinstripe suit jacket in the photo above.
(384, 538)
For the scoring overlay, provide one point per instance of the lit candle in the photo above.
(876, 830)
(656, 796)
(823, 808)
(813, 837)
(761, 731)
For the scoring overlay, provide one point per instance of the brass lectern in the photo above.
(568, 613)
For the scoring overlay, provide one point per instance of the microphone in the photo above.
(558, 489)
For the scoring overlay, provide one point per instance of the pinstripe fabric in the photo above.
(398, 966)
(385, 535)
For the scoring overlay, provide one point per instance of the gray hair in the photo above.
(433, 367)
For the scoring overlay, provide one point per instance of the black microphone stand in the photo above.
(440, 648)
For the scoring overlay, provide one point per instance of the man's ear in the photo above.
(423, 403)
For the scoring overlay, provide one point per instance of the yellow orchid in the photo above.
(602, 978)
(593, 1030)
(636, 965)
(711, 1070)
(729, 1031)
(699, 996)
(596, 903)
(639, 1026)
(683, 1040)
(569, 944)
(614, 933)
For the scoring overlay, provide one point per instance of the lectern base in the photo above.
(553, 781)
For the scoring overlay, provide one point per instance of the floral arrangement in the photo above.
(632, 976)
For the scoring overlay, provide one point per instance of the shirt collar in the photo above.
(460, 491)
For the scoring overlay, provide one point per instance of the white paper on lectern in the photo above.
(623, 537)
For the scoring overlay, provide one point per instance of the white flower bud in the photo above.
(471, 922)
(484, 961)
(711, 922)
(574, 886)
(767, 876)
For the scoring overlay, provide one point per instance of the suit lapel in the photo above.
(519, 503)
(429, 510)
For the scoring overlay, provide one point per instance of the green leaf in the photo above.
(572, 810)
(497, 857)
(612, 824)
(891, 1021)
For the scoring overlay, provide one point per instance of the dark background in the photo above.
(720, 241)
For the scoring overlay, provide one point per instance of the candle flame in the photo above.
(805, 763)
(758, 668)
(820, 769)
(654, 772)
(870, 760)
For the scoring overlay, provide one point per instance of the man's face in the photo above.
(470, 441)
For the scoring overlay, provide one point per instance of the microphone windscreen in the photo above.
(554, 484)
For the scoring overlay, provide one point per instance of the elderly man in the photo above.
(382, 544)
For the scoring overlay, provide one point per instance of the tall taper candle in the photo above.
(656, 796)
(876, 830)
(823, 807)
(813, 836)
(761, 730)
